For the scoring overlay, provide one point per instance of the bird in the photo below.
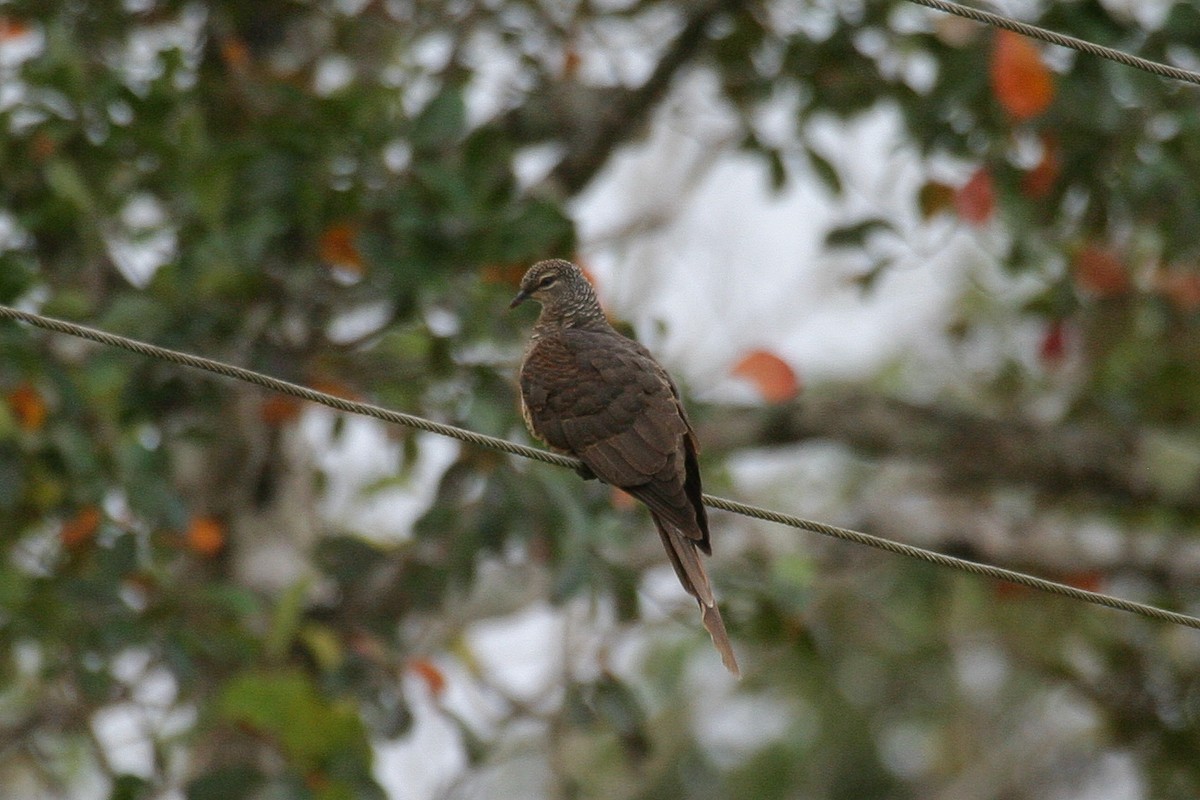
(590, 392)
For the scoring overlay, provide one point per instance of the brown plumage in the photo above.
(590, 392)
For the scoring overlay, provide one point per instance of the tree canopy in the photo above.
(344, 194)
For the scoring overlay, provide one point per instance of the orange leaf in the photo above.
(511, 274)
(503, 274)
(1038, 182)
(976, 200)
(81, 527)
(1090, 580)
(29, 407)
(278, 409)
(622, 500)
(434, 678)
(338, 248)
(572, 61)
(205, 536)
(12, 29)
(1005, 590)
(235, 53)
(335, 388)
(42, 146)
(770, 374)
(1099, 272)
(1020, 79)
(317, 782)
(367, 646)
(1180, 288)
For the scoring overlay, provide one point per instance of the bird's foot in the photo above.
(585, 472)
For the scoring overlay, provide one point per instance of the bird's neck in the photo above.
(584, 315)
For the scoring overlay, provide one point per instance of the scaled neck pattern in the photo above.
(580, 312)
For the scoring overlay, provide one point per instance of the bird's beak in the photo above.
(521, 297)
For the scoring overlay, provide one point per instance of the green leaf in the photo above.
(68, 302)
(347, 559)
(778, 169)
(824, 170)
(66, 182)
(440, 122)
(130, 787)
(616, 703)
(323, 645)
(538, 229)
(8, 430)
(285, 622)
(311, 731)
(237, 782)
(231, 599)
(15, 277)
(855, 235)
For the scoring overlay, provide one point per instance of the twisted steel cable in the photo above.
(1062, 40)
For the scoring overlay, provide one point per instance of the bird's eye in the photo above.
(546, 281)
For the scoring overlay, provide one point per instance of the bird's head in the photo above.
(559, 286)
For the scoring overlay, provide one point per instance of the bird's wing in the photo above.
(603, 398)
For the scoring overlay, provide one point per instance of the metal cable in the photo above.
(505, 446)
(1034, 32)
(288, 388)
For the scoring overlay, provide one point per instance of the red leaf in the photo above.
(12, 29)
(572, 60)
(235, 53)
(338, 248)
(976, 200)
(81, 527)
(1038, 182)
(1099, 272)
(42, 146)
(205, 536)
(1005, 590)
(1020, 79)
(29, 406)
(429, 672)
(279, 409)
(770, 374)
(503, 274)
(622, 500)
(1054, 343)
(1179, 287)
(335, 388)
(1090, 580)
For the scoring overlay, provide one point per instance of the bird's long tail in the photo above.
(690, 570)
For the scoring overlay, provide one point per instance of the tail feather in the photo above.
(716, 629)
(691, 573)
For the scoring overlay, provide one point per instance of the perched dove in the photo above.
(590, 392)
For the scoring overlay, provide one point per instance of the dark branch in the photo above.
(592, 122)
(626, 114)
(966, 447)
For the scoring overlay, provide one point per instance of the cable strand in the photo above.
(513, 448)
(1062, 40)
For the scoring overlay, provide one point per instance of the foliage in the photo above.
(234, 179)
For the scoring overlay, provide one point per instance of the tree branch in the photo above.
(1127, 464)
(592, 122)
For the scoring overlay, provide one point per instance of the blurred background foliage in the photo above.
(344, 194)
